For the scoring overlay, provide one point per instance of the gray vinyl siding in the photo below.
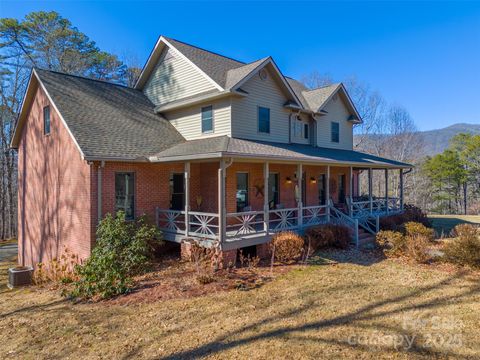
(188, 121)
(174, 78)
(337, 112)
(261, 93)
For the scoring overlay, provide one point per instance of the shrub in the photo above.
(328, 235)
(417, 248)
(413, 229)
(465, 248)
(122, 249)
(287, 246)
(393, 243)
(411, 214)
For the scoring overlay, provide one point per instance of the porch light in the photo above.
(288, 180)
(313, 180)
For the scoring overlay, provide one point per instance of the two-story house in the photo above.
(208, 146)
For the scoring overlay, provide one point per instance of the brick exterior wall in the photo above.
(54, 192)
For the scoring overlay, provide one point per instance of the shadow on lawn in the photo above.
(355, 318)
(443, 226)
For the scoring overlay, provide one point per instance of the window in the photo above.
(322, 190)
(177, 191)
(305, 131)
(46, 120)
(335, 132)
(207, 119)
(125, 194)
(264, 120)
(273, 191)
(242, 191)
(341, 189)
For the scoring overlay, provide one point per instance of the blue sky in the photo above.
(422, 55)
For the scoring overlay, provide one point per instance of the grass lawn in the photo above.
(443, 224)
(367, 308)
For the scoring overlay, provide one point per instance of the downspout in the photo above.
(99, 191)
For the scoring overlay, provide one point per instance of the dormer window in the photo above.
(263, 120)
(46, 120)
(207, 119)
(335, 132)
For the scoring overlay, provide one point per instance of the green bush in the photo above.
(328, 235)
(122, 250)
(393, 243)
(287, 246)
(465, 248)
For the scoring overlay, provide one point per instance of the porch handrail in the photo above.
(315, 215)
(283, 219)
(245, 223)
(340, 217)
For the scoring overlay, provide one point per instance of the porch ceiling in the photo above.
(224, 146)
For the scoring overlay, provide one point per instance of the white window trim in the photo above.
(201, 120)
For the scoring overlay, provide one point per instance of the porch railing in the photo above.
(283, 219)
(200, 224)
(315, 215)
(244, 223)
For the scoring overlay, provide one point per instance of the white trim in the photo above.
(22, 109)
(59, 114)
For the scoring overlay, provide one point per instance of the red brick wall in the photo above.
(54, 193)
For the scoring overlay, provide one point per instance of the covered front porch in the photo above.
(241, 202)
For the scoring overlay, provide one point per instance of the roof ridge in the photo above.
(209, 51)
(323, 87)
(84, 78)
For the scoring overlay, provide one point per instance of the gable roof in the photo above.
(224, 72)
(107, 121)
(225, 146)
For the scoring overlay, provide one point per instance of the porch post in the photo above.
(350, 192)
(300, 195)
(221, 202)
(266, 220)
(386, 189)
(370, 189)
(327, 193)
(187, 198)
(401, 189)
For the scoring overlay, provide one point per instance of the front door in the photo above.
(273, 190)
(177, 192)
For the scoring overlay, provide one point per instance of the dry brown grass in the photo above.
(309, 312)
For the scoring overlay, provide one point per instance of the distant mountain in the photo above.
(435, 141)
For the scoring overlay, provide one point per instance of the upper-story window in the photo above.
(305, 131)
(46, 120)
(263, 120)
(207, 119)
(335, 132)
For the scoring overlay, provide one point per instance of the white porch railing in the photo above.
(283, 219)
(245, 223)
(204, 225)
(315, 215)
(339, 217)
(378, 206)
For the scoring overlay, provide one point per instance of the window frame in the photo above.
(275, 175)
(212, 120)
(45, 132)
(306, 131)
(332, 139)
(134, 205)
(258, 120)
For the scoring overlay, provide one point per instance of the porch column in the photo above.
(266, 219)
(370, 189)
(221, 202)
(386, 189)
(327, 193)
(300, 195)
(401, 189)
(350, 192)
(187, 198)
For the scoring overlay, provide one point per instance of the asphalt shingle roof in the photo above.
(109, 120)
(296, 152)
(316, 98)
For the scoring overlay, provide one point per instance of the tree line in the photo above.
(45, 40)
